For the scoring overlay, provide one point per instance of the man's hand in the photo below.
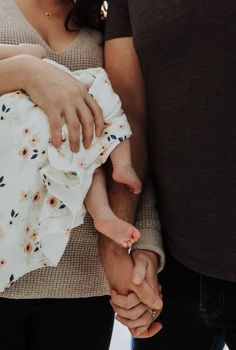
(131, 301)
(138, 313)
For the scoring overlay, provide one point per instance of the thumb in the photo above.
(139, 271)
(149, 296)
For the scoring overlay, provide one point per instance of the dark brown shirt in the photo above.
(188, 56)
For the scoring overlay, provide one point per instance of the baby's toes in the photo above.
(125, 244)
(136, 236)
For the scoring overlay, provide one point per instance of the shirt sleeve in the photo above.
(118, 20)
(148, 223)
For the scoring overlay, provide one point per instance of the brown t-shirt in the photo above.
(188, 56)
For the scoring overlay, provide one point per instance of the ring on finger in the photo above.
(153, 313)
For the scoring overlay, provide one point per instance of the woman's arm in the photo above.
(7, 51)
(58, 93)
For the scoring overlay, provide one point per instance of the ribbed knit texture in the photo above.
(79, 273)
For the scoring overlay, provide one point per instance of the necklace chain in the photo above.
(50, 15)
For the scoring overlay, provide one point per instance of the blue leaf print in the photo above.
(1, 181)
(13, 213)
(3, 108)
(34, 156)
(113, 137)
(11, 278)
(62, 206)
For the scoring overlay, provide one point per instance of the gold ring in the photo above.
(153, 313)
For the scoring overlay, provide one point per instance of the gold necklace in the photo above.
(50, 15)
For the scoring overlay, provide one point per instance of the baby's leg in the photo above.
(105, 221)
(123, 172)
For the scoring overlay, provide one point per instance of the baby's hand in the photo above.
(35, 50)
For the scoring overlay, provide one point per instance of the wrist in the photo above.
(146, 255)
(26, 68)
(109, 248)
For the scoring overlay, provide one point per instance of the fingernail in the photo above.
(137, 279)
(158, 304)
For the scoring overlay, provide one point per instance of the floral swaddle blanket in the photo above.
(42, 189)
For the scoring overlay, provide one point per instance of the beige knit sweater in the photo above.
(79, 273)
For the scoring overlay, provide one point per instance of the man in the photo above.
(187, 55)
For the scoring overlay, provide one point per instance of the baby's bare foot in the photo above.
(118, 230)
(126, 175)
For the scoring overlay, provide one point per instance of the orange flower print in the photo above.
(33, 141)
(24, 196)
(1, 234)
(24, 152)
(2, 262)
(26, 131)
(80, 164)
(33, 234)
(28, 248)
(36, 197)
(52, 201)
(122, 126)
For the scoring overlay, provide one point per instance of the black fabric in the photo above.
(188, 56)
(198, 314)
(56, 324)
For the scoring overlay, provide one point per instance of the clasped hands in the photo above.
(135, 295)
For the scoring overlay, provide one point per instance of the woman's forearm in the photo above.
(12, 73)
(7, 51)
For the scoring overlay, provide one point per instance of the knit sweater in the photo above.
(79, 273)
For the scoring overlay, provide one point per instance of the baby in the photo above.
(42, 188)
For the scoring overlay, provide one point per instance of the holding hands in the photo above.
(135, 295)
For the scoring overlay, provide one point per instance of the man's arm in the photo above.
(124, 71)
(122, 66)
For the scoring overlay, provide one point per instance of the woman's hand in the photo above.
(61, 95)
(131, 312)
(131, 298)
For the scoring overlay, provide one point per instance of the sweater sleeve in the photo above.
(148, 222)
(117, 21)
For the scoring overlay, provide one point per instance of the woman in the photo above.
(39, 308)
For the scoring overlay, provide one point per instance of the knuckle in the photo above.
(54, 125)
(125, 305)
(152, 299)
(81, 89)
(74, 125)
(133, 316)
(99, 111)
(89, 126)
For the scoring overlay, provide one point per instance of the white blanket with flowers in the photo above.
(42, 189)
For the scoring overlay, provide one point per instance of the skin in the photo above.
(58, 94)
(136, 291)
